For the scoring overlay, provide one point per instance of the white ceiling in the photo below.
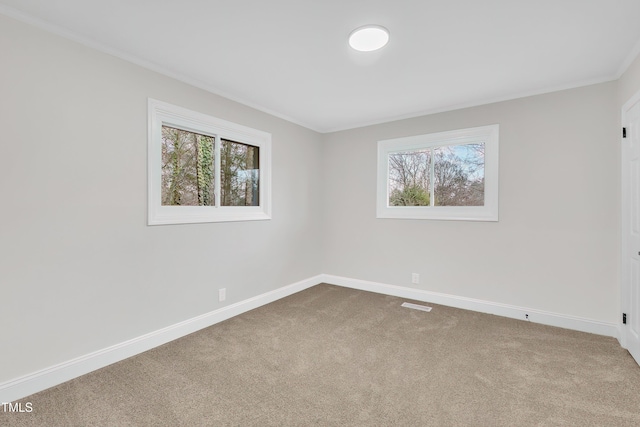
(291, 58)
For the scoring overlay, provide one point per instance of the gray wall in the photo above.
(629, 83)
(555, 247)
(80, 270)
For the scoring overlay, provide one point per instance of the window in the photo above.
(204, 169)
(448, 175)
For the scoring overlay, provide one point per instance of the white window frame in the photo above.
(489, 212)
(162, 113)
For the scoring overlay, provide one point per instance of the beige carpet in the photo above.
(336, 356)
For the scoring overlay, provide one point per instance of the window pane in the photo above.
(409, 178)
(187, 168)
(239, 174)
(459, 175)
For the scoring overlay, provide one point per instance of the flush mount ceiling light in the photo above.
(368, 38)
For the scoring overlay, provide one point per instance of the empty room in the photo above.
(337, 213)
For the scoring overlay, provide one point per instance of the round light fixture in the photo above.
(368, 38)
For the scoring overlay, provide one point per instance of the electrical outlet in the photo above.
(415, 278)
(222, 294)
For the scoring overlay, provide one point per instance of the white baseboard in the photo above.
(505, 310)
(46, 378)
(54, 375)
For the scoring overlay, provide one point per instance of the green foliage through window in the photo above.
(187, 168)
(188, 175)
(451, 175)
(239, 167)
